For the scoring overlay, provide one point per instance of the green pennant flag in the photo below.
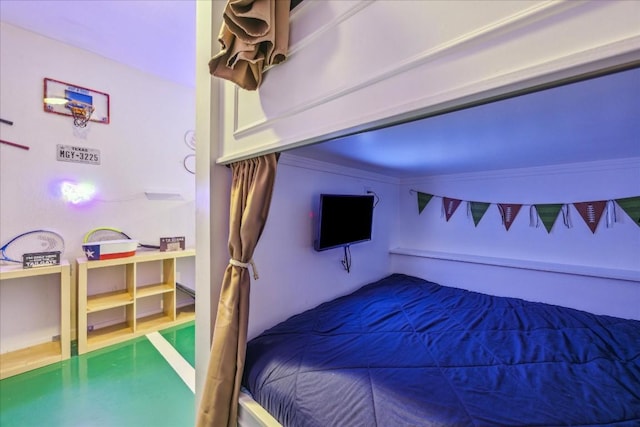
(477, 211)
(423, 199)
(631, 205)
(548, 214)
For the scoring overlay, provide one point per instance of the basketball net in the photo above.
(81, 112)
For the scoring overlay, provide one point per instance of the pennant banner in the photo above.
(631, 205)
(509, 211)
(548, 214)
(591, 212)
(423, 200)
(450, 206)
(478, 210)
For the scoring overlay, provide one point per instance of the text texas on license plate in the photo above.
(70, 153)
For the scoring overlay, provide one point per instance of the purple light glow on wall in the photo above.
(77, 193)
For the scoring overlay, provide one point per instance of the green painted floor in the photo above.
(129, 384)
(183, 339)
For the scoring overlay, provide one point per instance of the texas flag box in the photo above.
(109, 249)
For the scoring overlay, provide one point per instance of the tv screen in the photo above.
(343, 220)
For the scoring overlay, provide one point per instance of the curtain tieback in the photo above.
(241, 264)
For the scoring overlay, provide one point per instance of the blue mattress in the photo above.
(407, 352)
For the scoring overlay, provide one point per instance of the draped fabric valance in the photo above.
(254, 35)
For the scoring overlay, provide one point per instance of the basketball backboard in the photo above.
(57, 96)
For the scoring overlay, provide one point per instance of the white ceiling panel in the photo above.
(157, 37)
(591, 120)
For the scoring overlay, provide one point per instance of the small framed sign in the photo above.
(40, 259)
(171, 244)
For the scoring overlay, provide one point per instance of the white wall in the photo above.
(293, 276)
(142, 149)
(609, 252)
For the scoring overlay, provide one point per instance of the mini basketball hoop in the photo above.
(80, 111)
(83, 104)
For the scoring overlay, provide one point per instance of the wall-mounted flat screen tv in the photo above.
(343, 220)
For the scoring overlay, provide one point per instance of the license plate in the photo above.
(70, 153)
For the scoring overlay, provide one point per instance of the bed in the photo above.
(404, 351)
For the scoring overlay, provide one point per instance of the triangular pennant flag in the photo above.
(548, 214)
(423, 199)
(631, 205)
(450, 206)
(509, 211)
(591, 212)
(477, 211)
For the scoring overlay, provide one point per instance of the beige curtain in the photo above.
(252, 186)
(254, 35)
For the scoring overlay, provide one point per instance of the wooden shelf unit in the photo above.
(127, 295)
(36, 356)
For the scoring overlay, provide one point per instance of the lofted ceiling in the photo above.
(157, 37)
(591, 120)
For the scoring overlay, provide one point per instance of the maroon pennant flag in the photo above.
(509, 211)
(591, 212)
(450, 206)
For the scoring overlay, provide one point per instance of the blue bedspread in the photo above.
(407, 352)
